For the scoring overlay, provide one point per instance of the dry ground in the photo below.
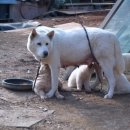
(80, 111)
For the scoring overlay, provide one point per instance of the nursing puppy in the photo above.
(43, 83)
(59, 48)
(81, 77)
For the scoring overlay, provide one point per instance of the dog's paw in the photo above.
(43, 97)
(107, 96)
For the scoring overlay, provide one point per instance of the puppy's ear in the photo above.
(33, 34)
(50, 34)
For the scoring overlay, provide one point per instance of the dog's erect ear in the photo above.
(33, 34)
(50, 34)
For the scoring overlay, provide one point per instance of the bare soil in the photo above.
(79, 111)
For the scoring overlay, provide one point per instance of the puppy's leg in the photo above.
(72, 79)
(79, 82)
(107, 68)
(54, 80)
(58, 95)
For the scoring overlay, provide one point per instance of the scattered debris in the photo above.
(22, 117)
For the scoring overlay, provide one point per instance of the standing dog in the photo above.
(59, 48)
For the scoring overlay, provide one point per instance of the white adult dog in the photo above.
(59, 48)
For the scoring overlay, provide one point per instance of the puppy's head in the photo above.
(40, 44)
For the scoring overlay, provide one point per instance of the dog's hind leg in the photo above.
(107, 68)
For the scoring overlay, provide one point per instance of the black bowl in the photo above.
(17, 84)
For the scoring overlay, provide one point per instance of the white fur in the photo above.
(122, 85)
(70, 47)
(80, 77)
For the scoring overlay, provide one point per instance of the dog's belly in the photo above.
(75, 62)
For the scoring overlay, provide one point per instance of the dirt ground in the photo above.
(79, 111)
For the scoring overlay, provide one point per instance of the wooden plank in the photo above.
(88, 4)
(72, 12)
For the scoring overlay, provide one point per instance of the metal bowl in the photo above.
(17, 84)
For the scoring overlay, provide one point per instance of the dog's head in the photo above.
(40, 44)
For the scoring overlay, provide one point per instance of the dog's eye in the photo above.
(46, 44)
(39, 44)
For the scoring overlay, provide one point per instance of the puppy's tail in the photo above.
(119, 61)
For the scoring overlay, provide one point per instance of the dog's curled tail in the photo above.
(119, 60)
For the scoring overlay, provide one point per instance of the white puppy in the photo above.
(59, 48)
(82, 74)
(126, 57)
(81, 77)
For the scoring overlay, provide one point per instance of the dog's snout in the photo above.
(45, 53)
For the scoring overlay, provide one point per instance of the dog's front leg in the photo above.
(54, 80)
